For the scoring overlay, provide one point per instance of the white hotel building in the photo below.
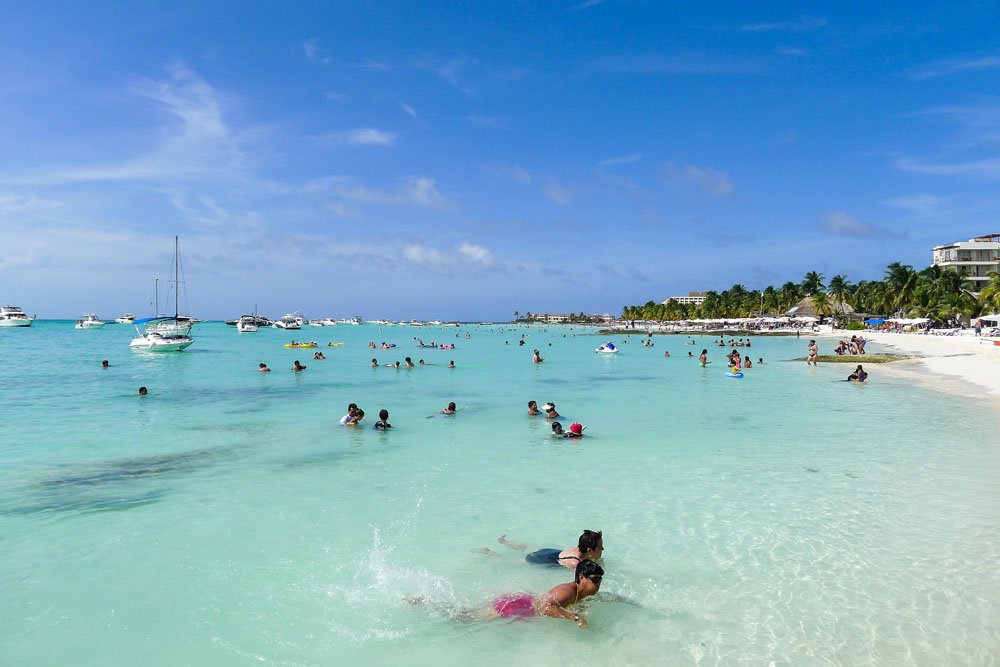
(696, 298)
(977, 256)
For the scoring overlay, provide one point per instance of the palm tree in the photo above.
(812, 283)
(839, 288)
(902, 280)
(517, 315)
(821, 302)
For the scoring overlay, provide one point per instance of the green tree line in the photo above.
(936, 293)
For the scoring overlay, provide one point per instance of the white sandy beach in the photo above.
(961, 364)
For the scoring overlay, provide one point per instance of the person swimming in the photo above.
(537, 357)
(374, 363)
(550, 411)
(143, 391)
(450, 410)
(355, 418)
(297, 366)
(383, 420)
(557, 430)
(703, 358)
(351, 409)
(262, 368)
(590, 545)
(859, 375)
(555, 603)
(533, 408)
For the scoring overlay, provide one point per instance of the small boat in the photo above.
(89, 321)
(290, 322)
(309, 344)
(247, 324)
(127, 318)
(164, 333)
(12, 316)
(607, 348)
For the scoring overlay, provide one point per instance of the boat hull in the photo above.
(15, 323)
(159, 344)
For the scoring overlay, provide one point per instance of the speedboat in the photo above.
(316, 323)
(607, 348)
(329, 322)
(12, 316)
(290, 321)
(127, 318)
(89, 321)
(247, 324)
(416, 323)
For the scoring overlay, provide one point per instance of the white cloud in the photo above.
(988, 168)
(790, 51)
(841, 223)
(621, 159)
(946, 67)
(419, 191)
(515, 172)
(557, 192)
(706, 179)
(362, 136)
(800, 24)
(463, 256)
(16, 203)
(921, 204)
(408, 109)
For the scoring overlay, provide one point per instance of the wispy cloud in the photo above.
(410, 111)
(801, 24)
(922, 204)
(450, 70)
(11, 203)
(705, 179)
(419, 192)
(586, 4)
(515, 172)
(462, 256)
(790, 51)
(988, 168)
(557, 192)
(314, 53)
(195, 143)
(621, 159)
(488, 121)
(678, 64)
(363, 136)
(841, 223)
(946, 67)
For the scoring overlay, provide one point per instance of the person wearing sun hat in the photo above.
(550, 411)
(575, 430)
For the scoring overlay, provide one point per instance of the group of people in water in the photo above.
(854, 346)
(408, 363)
(549, 409)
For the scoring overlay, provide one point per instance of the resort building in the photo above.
(977, 256)
(697, 298)
(560, 318)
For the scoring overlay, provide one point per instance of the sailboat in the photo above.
(165, 334)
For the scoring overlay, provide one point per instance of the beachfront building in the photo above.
(978, 256)
(696, 298)
(563, 318)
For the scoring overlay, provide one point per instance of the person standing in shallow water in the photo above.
(813, 353)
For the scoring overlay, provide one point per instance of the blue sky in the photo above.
(461, 160)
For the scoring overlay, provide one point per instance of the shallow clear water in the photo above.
(786, 518)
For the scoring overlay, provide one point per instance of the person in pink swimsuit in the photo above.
(555, 603)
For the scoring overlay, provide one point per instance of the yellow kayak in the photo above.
(300, 345)
(334, 344)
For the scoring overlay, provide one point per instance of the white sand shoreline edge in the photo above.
(964, 365)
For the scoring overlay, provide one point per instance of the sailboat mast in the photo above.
(177, 276)
(156, 297)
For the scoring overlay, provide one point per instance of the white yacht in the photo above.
(247, 324)
(127, 318)
(434, 323)
(416, 323)
(89, 321)
(290, 321)
(12, 316)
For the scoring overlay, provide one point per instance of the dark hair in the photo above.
(704, 351)
(383, 414)
(142, 390)
(352, 406)
(261, 364)
(374, 360)
(408, 360)
(359, 414)
(530, 403)
(587, 568)
(451, 406)
(588, 541)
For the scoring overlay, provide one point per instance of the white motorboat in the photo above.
(317, 323)
(12, 316)
(247, 324)
(166, 334)
(607, 348)
(329, 322)
(416, 323)
(290, 321)
(156, 342)
(89, 321)
(127, 318)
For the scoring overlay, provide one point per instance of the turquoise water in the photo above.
(226, 519)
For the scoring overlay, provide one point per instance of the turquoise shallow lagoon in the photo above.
(787, 518)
